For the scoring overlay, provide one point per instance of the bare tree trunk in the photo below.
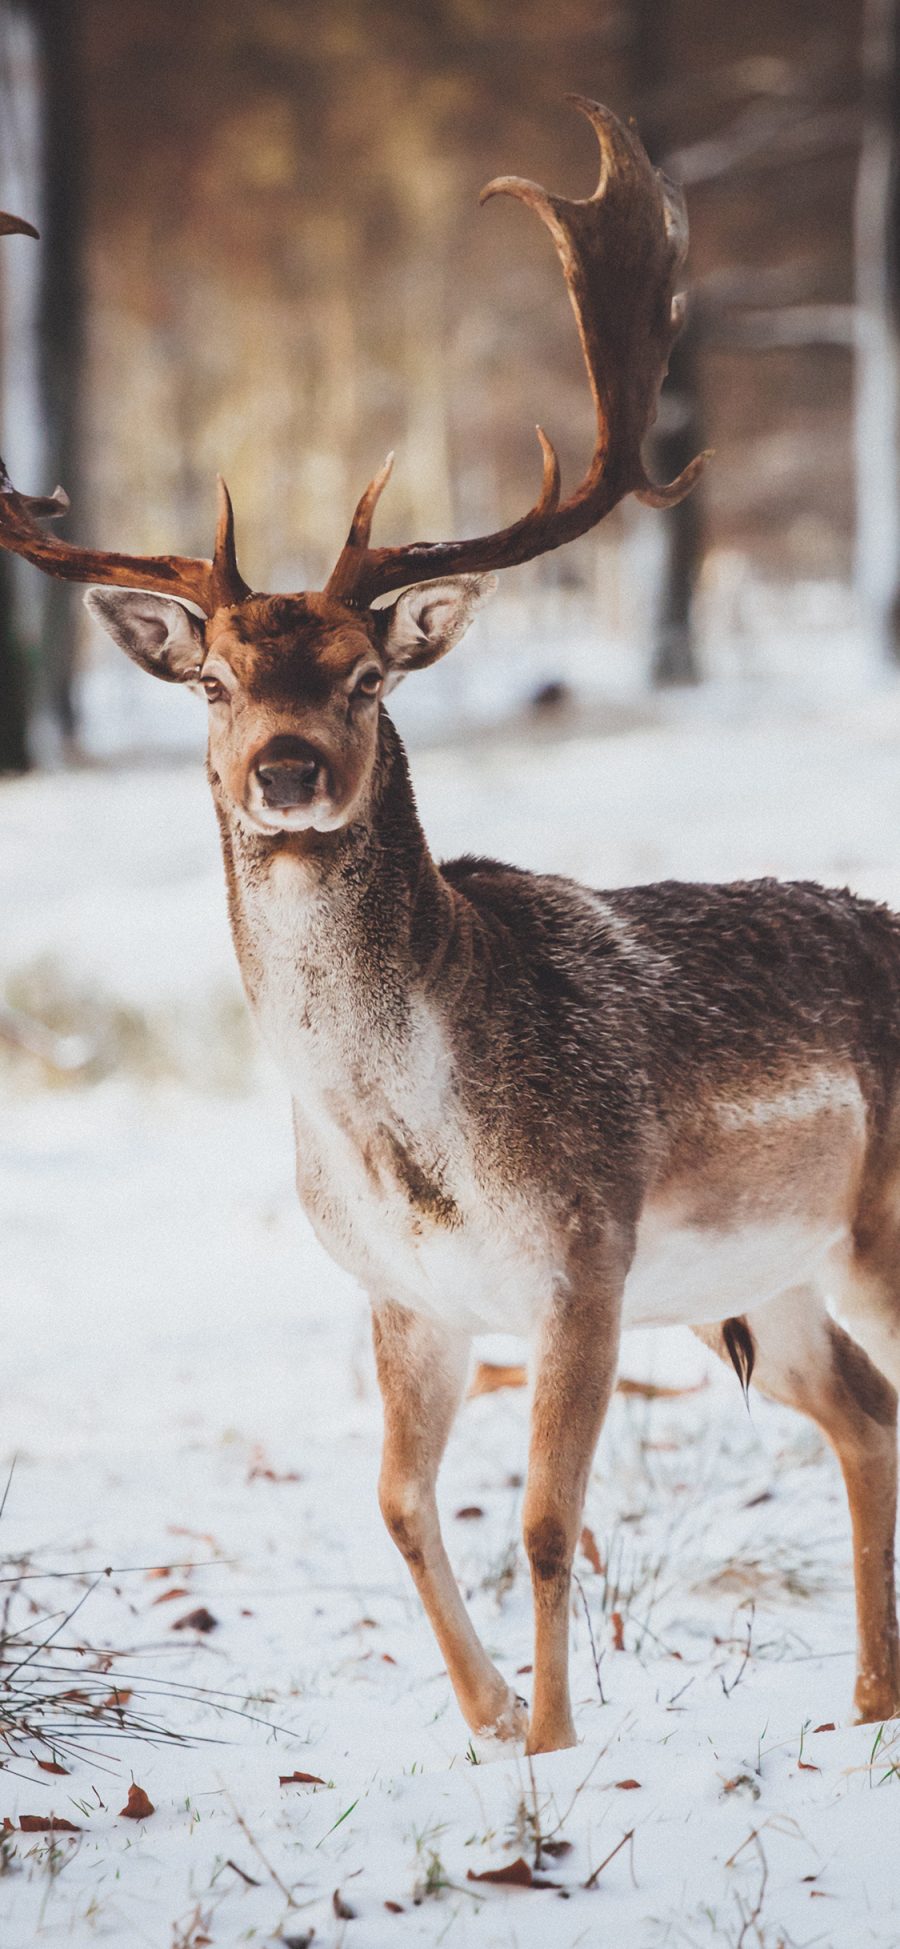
(60, 328)
(877, 425)
(673, 652)
(14, 754)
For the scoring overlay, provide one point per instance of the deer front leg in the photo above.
(574, 1380)
(422, 1372)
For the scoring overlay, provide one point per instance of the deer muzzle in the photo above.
(290, 772)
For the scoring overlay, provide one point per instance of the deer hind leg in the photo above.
(421, 1373)
(575, 1375)
(804, 1359)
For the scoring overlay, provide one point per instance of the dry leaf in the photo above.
(520, 1669)
(829, 1726)
(166, 1596)
(51, 1766)
(470, 1513)
(627, 1786)
(488, 1379)
(200, 1620)
(300, 1779)
(806, 1766)
(556, 1848)
(590, 1550)
(261, 1470)
(137, 1806)
(649, 1391)
(516, 1874)
(395, 1908)
(618, 1631)
(116, 1700)
(342, 1909)
(159, 1570)
(46, 1824)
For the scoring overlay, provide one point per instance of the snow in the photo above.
(187, 1382)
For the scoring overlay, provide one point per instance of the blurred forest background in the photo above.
(262, 254)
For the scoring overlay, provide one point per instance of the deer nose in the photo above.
(289, 772)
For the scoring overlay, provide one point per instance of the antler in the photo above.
(208, 584)
(621, 251)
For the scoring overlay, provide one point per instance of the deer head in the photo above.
(293, 682)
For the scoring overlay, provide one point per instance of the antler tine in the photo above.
(13, 226)
(344, 576)
(621, 250)
(227, 583)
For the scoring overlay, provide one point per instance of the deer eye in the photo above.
(215, 692)
(368, 683)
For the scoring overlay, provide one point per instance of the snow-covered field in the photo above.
(187, 1386)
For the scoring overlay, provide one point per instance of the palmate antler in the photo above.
(208, 584)
(621, 251)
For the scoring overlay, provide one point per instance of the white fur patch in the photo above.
(688, 1275)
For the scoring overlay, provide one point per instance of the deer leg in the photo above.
(422, 1372)
(803, 1358)
(575, 1375)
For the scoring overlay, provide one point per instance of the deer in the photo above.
(519, 1103)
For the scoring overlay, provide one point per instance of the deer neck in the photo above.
(339, 941)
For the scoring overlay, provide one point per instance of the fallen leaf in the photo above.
(627, 1786)
(261, 1470)
(742, 1783)
(651, 1391)
(166, 1596)
(196, 1535)
(765, 1495)
(590, 1550)
(46, 1824)
(556, 1848)
(488, 1379)
(516, 1874)
(300, 1779)
(395, 1908)
(521, 1669)
(829, 1726)
(470, 1513)
(200, 1620)
(342, 1909)
(137, 1806)
(806, 1766)
(51, 1766)
(618, 1631)
(159, 1570)
(386, 1658)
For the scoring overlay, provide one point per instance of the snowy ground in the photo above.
(187, 1384)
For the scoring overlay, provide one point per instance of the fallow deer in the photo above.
(519, 1103)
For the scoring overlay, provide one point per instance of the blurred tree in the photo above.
(59, 327)
(678, 434)
(13, 713)
(42, 356)
(878, 328)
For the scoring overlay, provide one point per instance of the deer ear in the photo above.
(162, 635)
(426, 622)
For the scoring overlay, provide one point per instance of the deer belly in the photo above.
(686, 1274)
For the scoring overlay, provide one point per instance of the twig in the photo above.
(594, 1877)
(249, 1879)
(272, 1872)
(594, 1652)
